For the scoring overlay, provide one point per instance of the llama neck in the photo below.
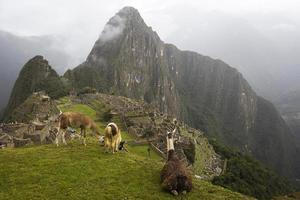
(170, 143)
(94, 128)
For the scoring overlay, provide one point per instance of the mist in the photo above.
(113, 29)
(259, 38)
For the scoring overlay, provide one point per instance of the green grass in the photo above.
(78, 172)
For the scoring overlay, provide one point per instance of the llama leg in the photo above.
(113, 146)
(63, 137)
(106, 144)
(84, 137)
(117, 147)
(56, 137)
(117, 144)
(80, 139)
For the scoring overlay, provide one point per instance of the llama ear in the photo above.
(174, 131)
(175, 121)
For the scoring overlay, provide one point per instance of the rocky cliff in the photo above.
(130, 59)
(289, 107)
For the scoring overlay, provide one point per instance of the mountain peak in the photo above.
(38, 58)
(127, 24)
(128, 10)
(116, 25)
(131, 16)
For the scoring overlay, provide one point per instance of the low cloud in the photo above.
(112, 29)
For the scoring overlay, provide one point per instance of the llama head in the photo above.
(101, 140)
(95, 129)
(121, 145)
(171, 134)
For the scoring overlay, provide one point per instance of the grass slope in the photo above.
(78, 172)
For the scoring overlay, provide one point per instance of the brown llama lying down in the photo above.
(112, 137)
(175, 177)
(75, 120)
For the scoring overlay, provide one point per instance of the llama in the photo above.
(75, 120)
(112, 137)
(175, 177)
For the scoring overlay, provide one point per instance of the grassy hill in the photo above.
(78, 172)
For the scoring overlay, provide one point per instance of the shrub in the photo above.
(246, 175)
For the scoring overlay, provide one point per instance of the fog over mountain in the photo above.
(260, 38)
(265, 51)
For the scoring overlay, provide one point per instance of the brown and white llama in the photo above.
(175, 177)
(75, 120)
(112, 137)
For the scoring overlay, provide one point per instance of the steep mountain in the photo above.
(289, 107)
(36, 75)
(129, 59)
(16, 50)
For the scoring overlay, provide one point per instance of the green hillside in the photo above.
(78, 172)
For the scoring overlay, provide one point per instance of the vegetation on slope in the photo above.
(248, 176)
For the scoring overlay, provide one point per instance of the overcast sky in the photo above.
(79, 23)
(248, 34)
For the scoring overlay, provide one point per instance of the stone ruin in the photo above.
(35, 132)
(40, 130)
(21, 134)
